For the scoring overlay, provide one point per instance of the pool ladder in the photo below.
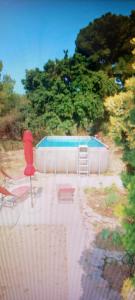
(83, 167)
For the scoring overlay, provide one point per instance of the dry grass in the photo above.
(112, 241)
(10, 145)
(12, 162)
(104, 200)
(116, 165)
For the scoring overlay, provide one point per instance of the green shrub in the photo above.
(11, 125)
(129, 220)
(126, 178)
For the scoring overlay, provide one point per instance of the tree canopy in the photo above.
(121, 108)
(11, 119)
(7, 99)
(106, 39)
(66, 95)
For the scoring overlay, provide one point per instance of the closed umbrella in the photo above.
(28, 154)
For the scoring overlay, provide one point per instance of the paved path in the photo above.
(68, 228)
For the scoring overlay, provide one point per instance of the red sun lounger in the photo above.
(14, 195)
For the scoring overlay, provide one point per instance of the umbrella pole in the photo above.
(31, 192)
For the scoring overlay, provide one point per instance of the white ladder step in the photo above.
(83, 155)
(83, 159)
(83, 166)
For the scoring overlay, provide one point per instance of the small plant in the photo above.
(126, 289)
(128, 259)
(116, 238)
(112, 188)
(133, 280)
(112, 238)
(119, 210)
(129, 220)
(111, 198)
(105, 233)
(111, 195)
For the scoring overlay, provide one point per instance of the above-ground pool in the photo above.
(71, 154)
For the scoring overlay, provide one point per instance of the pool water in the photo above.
(52, 142)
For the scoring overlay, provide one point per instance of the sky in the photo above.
(33, 31)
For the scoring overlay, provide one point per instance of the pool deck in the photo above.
(41, 246)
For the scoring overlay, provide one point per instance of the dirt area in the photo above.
(12, 160)
(110, 271)
(116, 165)
(10, 145)
(104, 200)
(101, 203)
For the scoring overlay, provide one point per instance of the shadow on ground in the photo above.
(103, 274)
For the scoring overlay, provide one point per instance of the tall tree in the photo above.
(7, 95)
(11, 120)
(106, 39)
(121, 108)
(66, 95)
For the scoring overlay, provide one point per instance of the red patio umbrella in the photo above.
(28, 154)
